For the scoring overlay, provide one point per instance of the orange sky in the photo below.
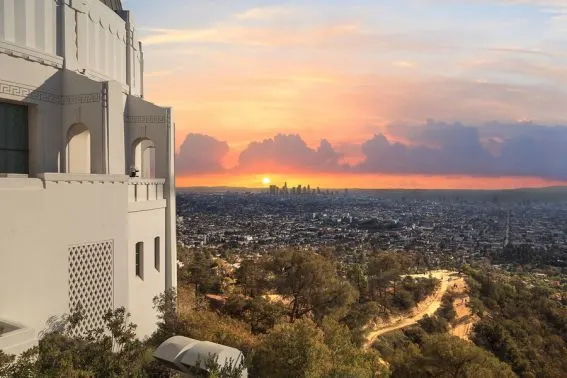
(368, 181)
(245, 71)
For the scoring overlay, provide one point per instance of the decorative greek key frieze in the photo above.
(81, 99)
(23, 92)
(26, 92)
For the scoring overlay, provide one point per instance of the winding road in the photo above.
(426, 307)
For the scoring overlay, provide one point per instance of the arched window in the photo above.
(78, 149)
(144, 152)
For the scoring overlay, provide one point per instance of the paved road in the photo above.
(429, 308)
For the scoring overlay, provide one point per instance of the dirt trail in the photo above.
(427, 307)
(465, 319)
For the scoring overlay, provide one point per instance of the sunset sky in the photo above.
(374, 93)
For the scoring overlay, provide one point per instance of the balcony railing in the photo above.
(140, 190)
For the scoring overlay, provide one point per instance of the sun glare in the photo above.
(266, 181)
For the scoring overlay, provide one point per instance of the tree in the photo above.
(447, 311)
(403, 300)
(433, 324)
(311, 283)
(357, 277)
(199, 272)
(259, 313)
(293, 350)
(447, 356)
(420, 287)
(251, 276)
(169, 324)
(360, 314)
(383, 269)
(348, 360)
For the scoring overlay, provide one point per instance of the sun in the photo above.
(266, 181)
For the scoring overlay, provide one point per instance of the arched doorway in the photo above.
(144, 158)
(78, 149)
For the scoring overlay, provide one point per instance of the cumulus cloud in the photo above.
(201, 154)
(496, 149)
(289, 152)
(456, 152)
(433, 148)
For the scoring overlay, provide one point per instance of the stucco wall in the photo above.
(144, 226)
(35, 238)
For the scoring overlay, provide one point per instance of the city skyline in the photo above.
(420, 93)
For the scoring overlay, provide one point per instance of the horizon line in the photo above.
(385, 189)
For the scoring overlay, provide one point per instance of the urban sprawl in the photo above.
(455, 225)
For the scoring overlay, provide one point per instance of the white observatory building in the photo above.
(78, 224)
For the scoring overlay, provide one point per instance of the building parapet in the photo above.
(82, 178)
(141, 190)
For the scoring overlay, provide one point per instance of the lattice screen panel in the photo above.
(91, 282)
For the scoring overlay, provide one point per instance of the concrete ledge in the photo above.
(18, 339)
(19, 182)
(16, 181)
(142, 181)
(82, 178)
(14, 175)
(30, 54)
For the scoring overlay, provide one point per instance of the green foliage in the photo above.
(447, 356)
(360, 314)
(433, 324)
(200, 325)
(348, 360)
(494, 337)
(447, 311)
(520, 324)
(168, 325)
(111, 351)
(301, 349)
(386, 286)
(403, 300)
(358, 317)
(212, 369)
(198, 269)
(383, 268)
(389, 343)
(252, 277)
(293, 350)
(311, 283)
(22, 367)
(258, 312)
(420, 288)
(356, 275)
